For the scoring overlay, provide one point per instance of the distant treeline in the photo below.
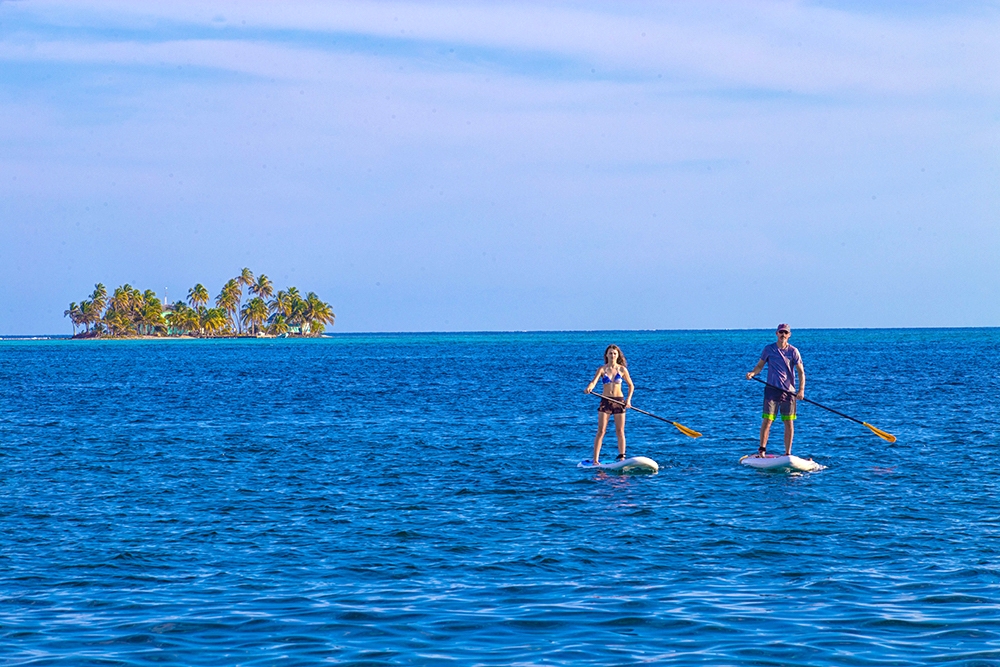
(129, 312)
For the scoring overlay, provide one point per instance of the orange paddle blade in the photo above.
(690, 432)
(880, 433)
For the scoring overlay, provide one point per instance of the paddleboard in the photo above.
(633, 464)
(772, 462)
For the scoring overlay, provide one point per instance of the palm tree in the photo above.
(121, 299)
(229, 299)
(317, 314)
(281, 304)
(99, 299)
(295, 309)
(198, 296)
(308, 305)
(118, 323)
(125, 314)
(182, 318)
(89, 315)
(73, 313)
(119, 305)
(254, 314)
(125, 301)
(278, 325)
(245, 279)
(151, 314)
(215, 321)
(138, 300)
(263, 287)
(201, 312)
(289, 305)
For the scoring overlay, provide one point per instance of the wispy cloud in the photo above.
(745, 46)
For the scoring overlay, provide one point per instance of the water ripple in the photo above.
(249, 502)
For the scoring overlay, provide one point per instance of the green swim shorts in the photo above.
(778, 401)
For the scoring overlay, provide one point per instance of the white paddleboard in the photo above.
(772, 462)
(633, 464)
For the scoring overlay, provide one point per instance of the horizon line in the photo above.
(330, 334)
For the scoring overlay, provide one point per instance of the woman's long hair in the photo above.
(621, 357)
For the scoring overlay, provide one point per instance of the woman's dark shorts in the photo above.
(778, 401)
(611, 408)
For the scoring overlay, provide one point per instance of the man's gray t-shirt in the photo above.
(780, 365)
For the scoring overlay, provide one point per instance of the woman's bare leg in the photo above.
(620, 431)
(602, 426)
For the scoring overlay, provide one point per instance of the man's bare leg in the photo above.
(765, 430)
(789, 434)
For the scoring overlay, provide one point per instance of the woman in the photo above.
(611, 375)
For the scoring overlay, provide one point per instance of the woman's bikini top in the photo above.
(607, 380)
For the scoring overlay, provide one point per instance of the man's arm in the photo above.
(802, 380)
(757, 369)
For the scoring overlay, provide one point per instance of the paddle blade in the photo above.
(690, 432)
(880, 433)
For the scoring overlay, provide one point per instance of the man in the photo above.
(780, 396)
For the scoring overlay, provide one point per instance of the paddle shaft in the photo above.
(818, 405)
(632, 407)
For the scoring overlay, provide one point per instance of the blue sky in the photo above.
(494, 166)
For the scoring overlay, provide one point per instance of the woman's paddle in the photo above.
(879, 432)
(691, 433)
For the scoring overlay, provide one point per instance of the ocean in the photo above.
(413, 499)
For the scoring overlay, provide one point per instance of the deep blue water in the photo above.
(413, 499)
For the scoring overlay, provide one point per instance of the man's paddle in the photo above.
(691, 433)
(879, 432)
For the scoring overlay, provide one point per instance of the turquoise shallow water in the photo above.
(413, 499)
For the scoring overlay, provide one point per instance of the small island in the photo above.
(129, 313)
